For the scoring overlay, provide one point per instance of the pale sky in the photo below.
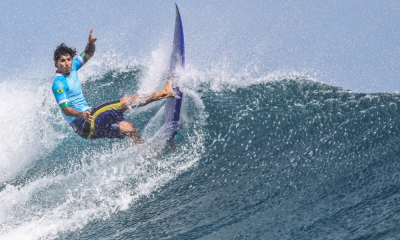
(351, 44)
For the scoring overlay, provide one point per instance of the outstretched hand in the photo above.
(90, 46)
(91, 38)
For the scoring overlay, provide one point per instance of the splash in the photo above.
(30, 127)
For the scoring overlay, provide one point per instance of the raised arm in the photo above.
(91, 45)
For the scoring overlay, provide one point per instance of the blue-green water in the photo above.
(283, 157)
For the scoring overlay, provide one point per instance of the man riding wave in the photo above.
(105, 120)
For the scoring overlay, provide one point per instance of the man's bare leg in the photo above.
(140, 100)
(126, 128)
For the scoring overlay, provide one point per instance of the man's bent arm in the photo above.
(70, 112)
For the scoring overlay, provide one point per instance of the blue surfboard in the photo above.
(177, 65)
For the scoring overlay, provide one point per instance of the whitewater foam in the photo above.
(96, 182)
(29, 124)
(112, 181)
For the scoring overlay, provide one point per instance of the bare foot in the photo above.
(168, 88)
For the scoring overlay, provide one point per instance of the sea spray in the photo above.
(30, 126)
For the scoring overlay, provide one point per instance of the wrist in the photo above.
(90, 47)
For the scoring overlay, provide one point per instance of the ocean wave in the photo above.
(253, 156)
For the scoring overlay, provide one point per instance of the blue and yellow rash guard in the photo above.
(68, 90)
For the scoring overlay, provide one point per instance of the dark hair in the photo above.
(63, 49)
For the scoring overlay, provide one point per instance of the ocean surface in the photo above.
(278, 156)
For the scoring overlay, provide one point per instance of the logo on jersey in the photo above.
(59, 91)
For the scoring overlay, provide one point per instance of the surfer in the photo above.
(105, 120)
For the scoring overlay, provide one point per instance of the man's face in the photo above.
(64, 64)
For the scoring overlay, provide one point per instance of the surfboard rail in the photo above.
(177, 65)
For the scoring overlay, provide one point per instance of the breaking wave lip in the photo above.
(220, 77)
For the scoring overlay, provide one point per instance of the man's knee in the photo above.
(127, 127)
(124, 103)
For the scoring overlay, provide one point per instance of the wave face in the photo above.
(270, 158)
